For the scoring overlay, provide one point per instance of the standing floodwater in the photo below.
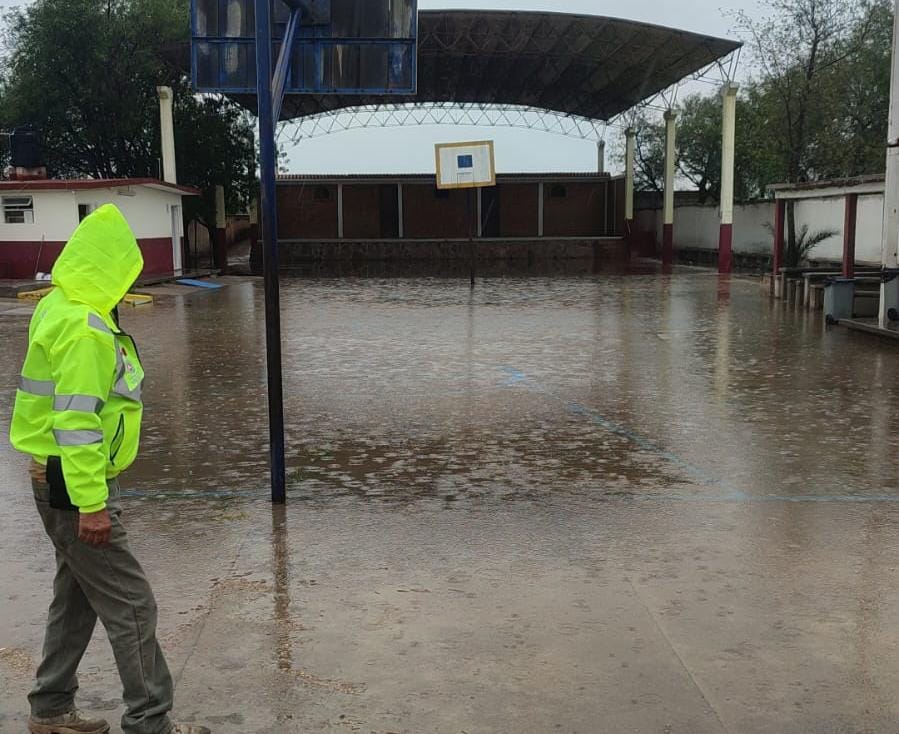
(664, 503)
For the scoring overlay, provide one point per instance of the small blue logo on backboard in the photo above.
(465, 161)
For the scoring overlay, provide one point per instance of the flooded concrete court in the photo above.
(597, 504)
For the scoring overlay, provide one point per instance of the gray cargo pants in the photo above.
(108, 583)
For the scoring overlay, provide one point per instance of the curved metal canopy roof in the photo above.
(584, 65)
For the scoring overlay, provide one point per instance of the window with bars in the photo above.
(18, 209)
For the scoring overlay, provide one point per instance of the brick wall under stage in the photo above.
(364, 201)
(518, 209)
(297, 254)
(572, 207)
(574, 210)
(430, 213)
(311, 210)
(21, 260)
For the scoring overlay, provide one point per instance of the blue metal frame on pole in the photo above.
(269, 211)
(279, 84)
(223, 40)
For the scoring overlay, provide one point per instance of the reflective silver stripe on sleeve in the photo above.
(43, 388)
(119, 364)
(121, 388)
(80, 403)
(95, 322)
(77, 438)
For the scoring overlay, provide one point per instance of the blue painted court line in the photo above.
(731, 493)
(515, 377)
(198, 283)
(742, 498)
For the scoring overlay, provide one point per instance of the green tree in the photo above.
(699, 141)
(85, 72)
(851, 140)
(5, 141)
(214, 145)
(798, 49)
(812, 59)
(699, 152)
(649, 155)
(815, 107)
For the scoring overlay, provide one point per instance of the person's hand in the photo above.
(38, 472)
(94, 528)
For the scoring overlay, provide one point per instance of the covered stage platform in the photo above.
(510, 68)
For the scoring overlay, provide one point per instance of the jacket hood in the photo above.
(100, 262)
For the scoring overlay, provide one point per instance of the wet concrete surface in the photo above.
(635, 503)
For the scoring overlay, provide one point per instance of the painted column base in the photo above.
(779, 283)
(668, 244)
(726, 249)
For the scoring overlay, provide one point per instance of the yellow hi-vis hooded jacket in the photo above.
(79, 395)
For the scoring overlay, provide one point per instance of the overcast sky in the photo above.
(411, 149)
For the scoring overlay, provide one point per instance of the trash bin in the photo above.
(839, 299)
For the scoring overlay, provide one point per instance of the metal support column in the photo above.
(601, 156)
(889, 292)
(630, 148)
(728, 154)
(670, 168)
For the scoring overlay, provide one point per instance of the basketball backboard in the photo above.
(341, 46)
(465, 165)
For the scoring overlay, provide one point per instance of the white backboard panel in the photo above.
(465, 165)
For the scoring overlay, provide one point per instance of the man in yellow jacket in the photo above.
(78, 415)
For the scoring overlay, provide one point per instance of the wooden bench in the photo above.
(790, 283)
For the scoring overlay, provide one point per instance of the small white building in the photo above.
(38, 217)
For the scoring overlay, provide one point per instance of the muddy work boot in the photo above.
(190, 729)
(72, 722)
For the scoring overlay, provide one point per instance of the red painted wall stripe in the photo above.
(22, 260)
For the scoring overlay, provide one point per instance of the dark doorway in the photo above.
(490, 212)
(390, 212)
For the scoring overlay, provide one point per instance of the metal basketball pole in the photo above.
(889, 289)
(269, 214)
(209, 35)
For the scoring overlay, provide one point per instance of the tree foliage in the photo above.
(699, 149)
(84, 73)
(810, 57)
(815, 106)
(214, 146)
